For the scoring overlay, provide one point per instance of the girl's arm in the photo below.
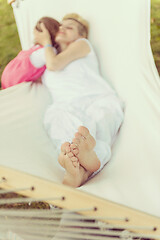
(75, 50)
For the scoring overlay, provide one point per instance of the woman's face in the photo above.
(68, 32)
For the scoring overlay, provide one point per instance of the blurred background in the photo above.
(155, 31)
(10, 44)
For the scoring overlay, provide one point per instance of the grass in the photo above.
(10, 44)
(9, 40)
(155, 31)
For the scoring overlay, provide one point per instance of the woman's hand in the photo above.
(43, 37)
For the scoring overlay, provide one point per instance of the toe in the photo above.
(64, 146)
(76, 164)
(87, 137)
(83, 131)
(75, 161)
(68, 149)
(78, 135)
(73, 146)
(76, 141)
(70, 154)
(75, 151)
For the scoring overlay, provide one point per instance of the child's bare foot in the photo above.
(75, 175)
(82, 147)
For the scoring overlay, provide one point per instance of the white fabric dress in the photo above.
(81, 97)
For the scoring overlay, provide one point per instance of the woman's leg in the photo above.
(93, 153)
(108, 114)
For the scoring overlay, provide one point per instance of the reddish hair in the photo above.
(52, 26)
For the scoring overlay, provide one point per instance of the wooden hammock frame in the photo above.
(70, 198)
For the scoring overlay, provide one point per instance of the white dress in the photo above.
(81, 97)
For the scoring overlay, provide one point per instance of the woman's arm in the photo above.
(75, 50)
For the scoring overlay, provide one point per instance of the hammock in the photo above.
(120, 33)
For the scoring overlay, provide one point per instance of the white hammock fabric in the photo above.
(120, 33)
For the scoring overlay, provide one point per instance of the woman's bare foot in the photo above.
(65, 147)
(75, 174)
(82, 147)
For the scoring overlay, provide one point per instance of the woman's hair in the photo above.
(52, 26)
(83, 26)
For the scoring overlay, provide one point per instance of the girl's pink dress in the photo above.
(20, 69)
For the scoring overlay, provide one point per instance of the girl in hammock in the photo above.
(25, 67)
(86, 113)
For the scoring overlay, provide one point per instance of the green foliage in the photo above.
(9, 40)
(155, 31)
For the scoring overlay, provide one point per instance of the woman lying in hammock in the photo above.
(82, 100)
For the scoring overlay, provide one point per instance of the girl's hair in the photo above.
(83, 27)
(52, 26)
